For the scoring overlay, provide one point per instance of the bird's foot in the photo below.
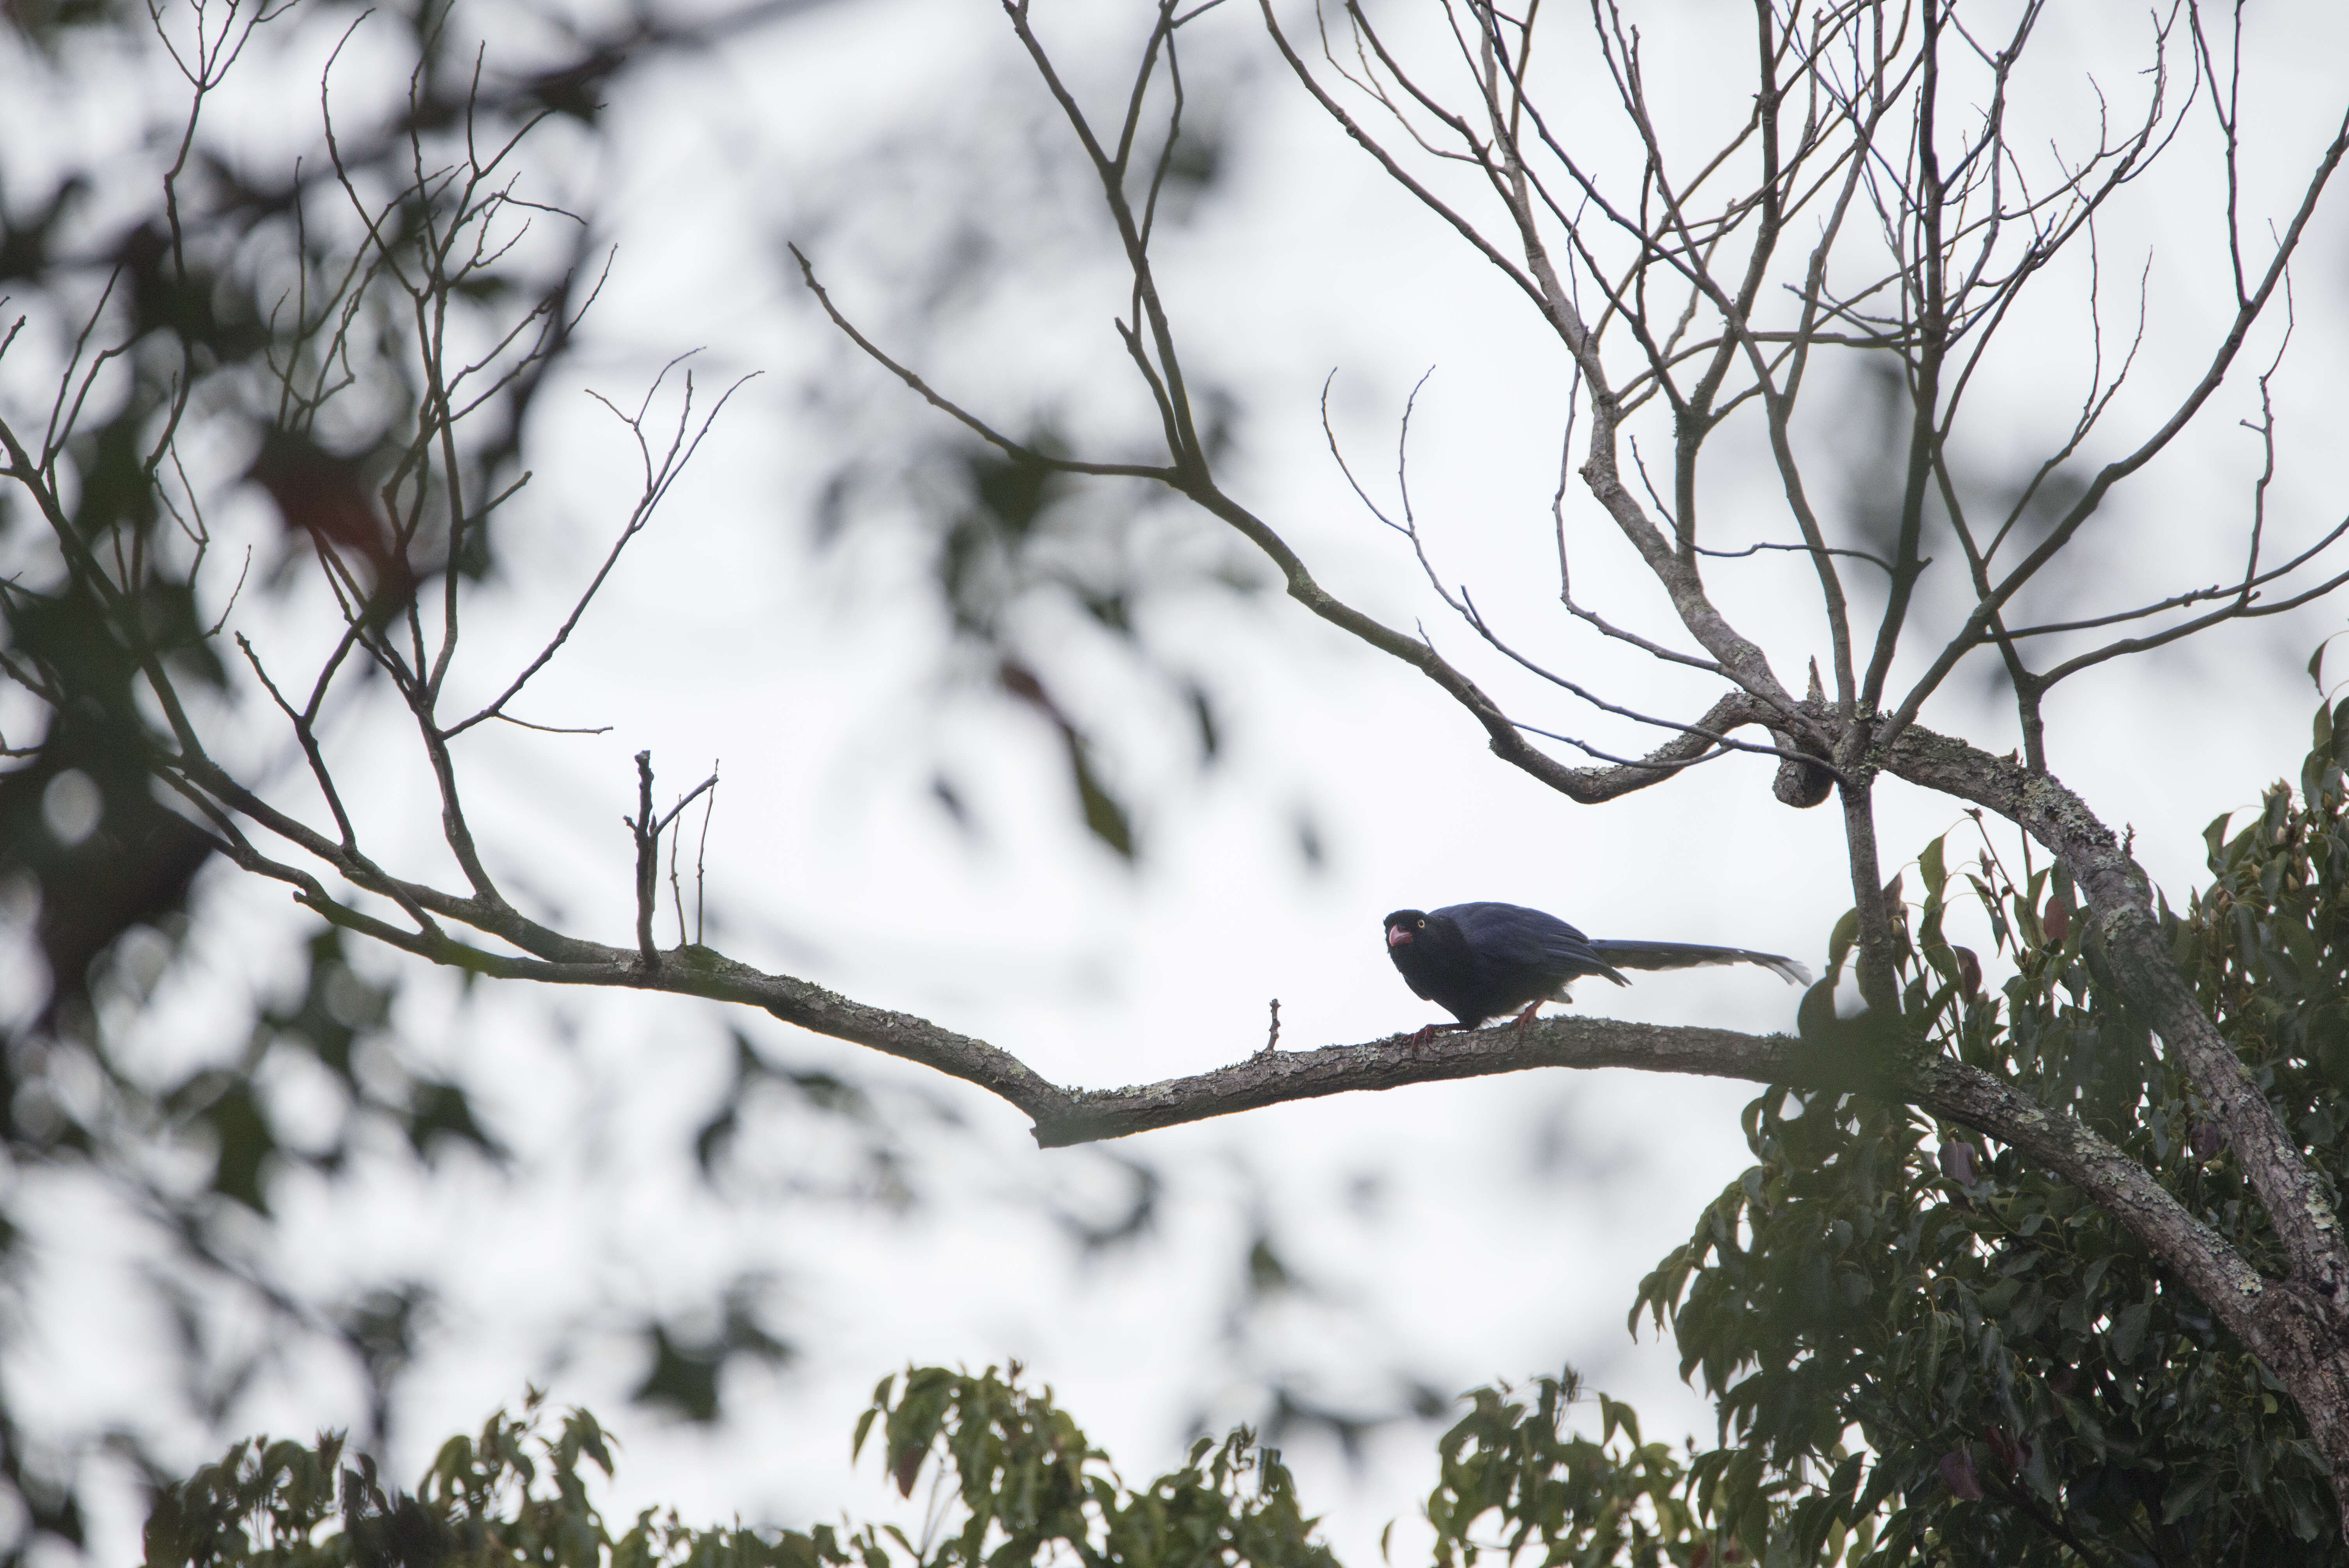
(1526, 1017)
(1417, 1040)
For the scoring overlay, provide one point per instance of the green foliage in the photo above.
(1032, 1487)
(1583, 1502)
(2031, 1387)
(1026, 1483)
(1014, 1483)
(514, 1494)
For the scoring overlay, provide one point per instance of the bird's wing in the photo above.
(1513, 935)
(1690, 955)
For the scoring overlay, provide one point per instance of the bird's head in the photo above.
(1405, 926)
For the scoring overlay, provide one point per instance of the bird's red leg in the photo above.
(1527, 1016)
(1421, 1036)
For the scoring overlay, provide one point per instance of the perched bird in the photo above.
(1478, 961)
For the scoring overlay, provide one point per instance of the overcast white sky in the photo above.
(1469, 1231)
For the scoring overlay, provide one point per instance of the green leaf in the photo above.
(2180, 1501)
(1840, 941)
(2127, 1334)
(864, 1428)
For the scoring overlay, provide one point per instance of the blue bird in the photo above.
(1478, 961)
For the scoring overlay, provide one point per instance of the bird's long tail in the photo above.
(1688, 955)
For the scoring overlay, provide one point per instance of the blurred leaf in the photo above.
(439, 1114)
(1203, 714)
(1266, 1273)
(1310, 848)
(688, 1361)
(683, 1379)
(1133, 1220)
(1105, 818)
(244, 1145)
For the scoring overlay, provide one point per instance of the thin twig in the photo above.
(647, 840)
